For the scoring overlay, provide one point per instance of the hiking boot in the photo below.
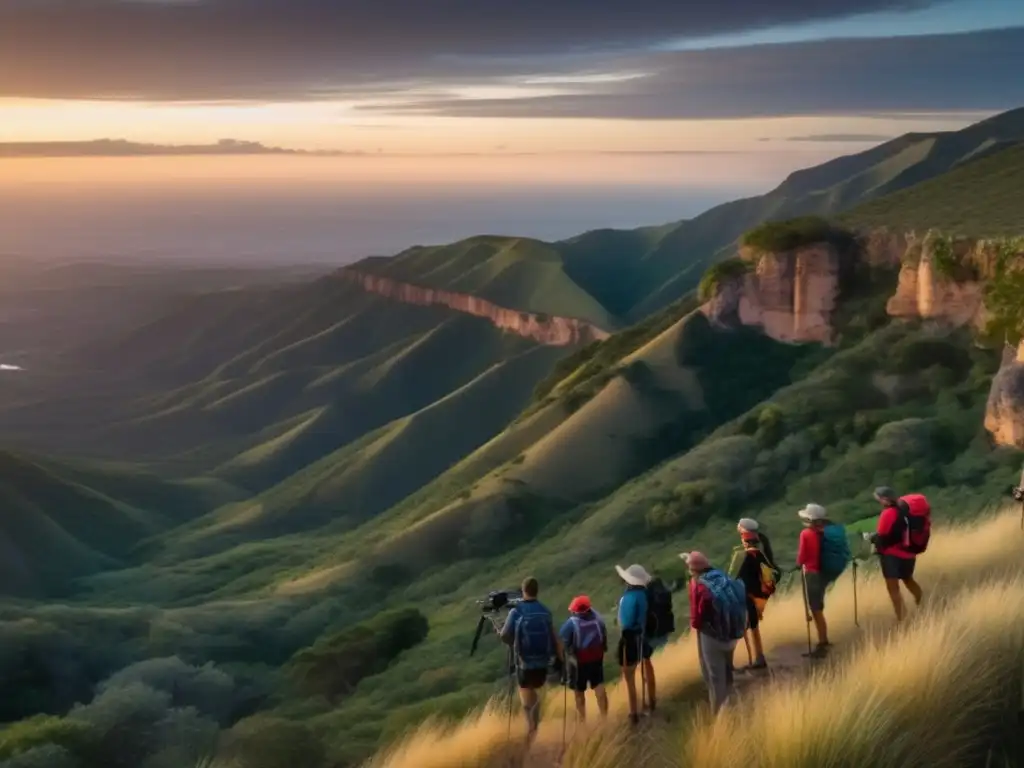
(634, 719)
(759, 663)
(820, 651)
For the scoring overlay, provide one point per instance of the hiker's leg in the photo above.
(821, 626)
(531, 709)
(602, 700)
(915, 589)
(892, 586)
(755, 635)
(629, 677)
(652, 686)
(581, 705)
(714, 665)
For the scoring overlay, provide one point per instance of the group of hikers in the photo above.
(724, 609)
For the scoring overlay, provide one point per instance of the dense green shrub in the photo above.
(778, 236)
(721, 272)
(333, 665)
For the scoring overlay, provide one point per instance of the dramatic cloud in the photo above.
(301, 49)
(970, 71)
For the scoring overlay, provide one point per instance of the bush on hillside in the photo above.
(333, 665)
(719, 273)
(779, 236)
(264, 741)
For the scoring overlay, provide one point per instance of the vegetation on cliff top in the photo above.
(721, 272)
(789, 234)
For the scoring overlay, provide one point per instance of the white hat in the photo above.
(748, 524)
(812, 512)
(636, 575)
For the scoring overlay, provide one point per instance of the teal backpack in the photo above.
(835, 551)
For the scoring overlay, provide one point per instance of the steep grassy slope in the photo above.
(59, 523)
(983, 197)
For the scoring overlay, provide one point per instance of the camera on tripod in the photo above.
(1018, 493)
(491, 608)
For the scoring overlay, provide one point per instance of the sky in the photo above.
(492, 77)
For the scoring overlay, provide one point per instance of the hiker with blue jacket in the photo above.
(634, 649)
(718, 618)
(585, 639)
(530, 631)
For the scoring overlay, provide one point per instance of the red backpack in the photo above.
(918, 520)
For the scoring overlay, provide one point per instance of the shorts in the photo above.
(816, 586)
(532, 678)
(630, 650)
(894, 567)
(589, 673)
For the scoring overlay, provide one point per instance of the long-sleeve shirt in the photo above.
(702, 608)
(633, 610)
(891, 533)
(808, 552)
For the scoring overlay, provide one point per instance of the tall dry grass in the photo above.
(960, 562)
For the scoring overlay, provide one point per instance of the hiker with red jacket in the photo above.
(892, 540)
(585, 638)
(808, 559)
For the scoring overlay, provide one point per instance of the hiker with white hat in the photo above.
(760, 576)
(808, 559)
(633, 646)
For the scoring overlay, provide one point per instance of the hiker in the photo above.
(585, 639)
(759, 574)
(808, 558)
(892, 542)
(661, 619)
(530, 631)
(633, 647)
(718, 616)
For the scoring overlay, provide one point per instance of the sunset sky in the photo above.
(507, 76)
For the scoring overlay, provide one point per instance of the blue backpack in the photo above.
(587, 638)
(729, 598)
(533, 645)
(835, 551)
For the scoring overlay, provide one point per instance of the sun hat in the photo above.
(748, 524)
(697, 561)
(636, 575)
(579, 604)
(812, 512)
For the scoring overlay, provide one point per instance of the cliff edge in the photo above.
(549, 330)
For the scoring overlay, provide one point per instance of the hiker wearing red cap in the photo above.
(585, 638)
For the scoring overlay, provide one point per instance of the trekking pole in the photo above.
(565, 710)
(856, 617)
(750, 656)
(807, 608)
(643, 672)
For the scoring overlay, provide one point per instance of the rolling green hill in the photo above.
(983, 198)
(275, 470)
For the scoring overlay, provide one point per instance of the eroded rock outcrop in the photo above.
(790, 296)
(1004, 413)
(545, 329)
(924, 292)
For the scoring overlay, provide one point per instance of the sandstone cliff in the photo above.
(923, 292)
(544, 329)
(1004, 413)
(790, 296)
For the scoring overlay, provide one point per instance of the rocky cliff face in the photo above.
(1004, 413)
(544, 329)
(922, 292)
(790, 296)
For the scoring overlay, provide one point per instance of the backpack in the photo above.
(533, 645)
(729, 599)
(587, 639)
(835, 551)
(661, 621)
(767, 574)
(918, 522)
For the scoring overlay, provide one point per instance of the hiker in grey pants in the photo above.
(715, 663)
(715, 655)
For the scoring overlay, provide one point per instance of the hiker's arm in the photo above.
(701, 606)
(886, 534)
(803, 551)
(559, 648)
(508, 632)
